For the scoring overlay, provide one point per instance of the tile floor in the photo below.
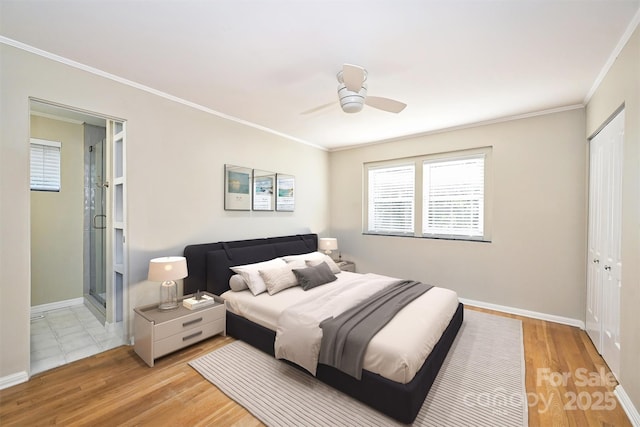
(64, 335)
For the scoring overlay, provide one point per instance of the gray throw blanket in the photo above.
(346, 337)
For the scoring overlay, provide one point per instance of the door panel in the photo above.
(604, 274)
(117, 226)
(612, 283)
(594, 276)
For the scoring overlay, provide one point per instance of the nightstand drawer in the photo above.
(188, 322)
(188, 337)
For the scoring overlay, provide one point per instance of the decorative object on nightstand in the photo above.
(167, 270)
(199, 299)
(328, 244)
(347, 266)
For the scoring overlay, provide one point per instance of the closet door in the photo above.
(605, 219)
(595, 239)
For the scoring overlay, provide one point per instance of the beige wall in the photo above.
(536, 260)
(57, 219)
(622, 86)
(175, 164)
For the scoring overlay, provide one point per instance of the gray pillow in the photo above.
(317, 275)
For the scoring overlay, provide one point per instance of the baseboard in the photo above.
(39, 309)
(13, 379)
(526, 313)
(627, 405)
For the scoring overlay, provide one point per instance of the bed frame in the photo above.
(208, 266)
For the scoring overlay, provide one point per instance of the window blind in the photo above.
(453, 197)
(45, 165)
(391, 199)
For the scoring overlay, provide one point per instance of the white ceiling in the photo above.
(265, 62)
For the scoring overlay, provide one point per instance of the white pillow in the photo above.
(279, 278)
(332, 265)
(297, 263)
(251, 273)
(237, 283)
(315, 258)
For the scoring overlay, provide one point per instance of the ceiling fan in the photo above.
(352, 93)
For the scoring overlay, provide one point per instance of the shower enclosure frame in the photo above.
(95, 218)
(111, 224)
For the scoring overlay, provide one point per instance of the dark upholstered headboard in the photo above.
(208, 263)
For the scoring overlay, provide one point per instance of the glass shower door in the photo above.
(98, 226)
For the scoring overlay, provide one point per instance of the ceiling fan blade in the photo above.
(353, 76)
(319, 108)
(385, 104)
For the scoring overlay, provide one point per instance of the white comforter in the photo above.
(299, 335)
(396, 352)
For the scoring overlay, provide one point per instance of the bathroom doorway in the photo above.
(78, 252)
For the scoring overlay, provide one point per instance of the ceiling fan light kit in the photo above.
(352, 93)
(350, 101)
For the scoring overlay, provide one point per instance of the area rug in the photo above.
(481, 383)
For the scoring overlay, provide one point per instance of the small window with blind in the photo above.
(453, 197)
(443, 196)
(391, 199)
(45, 165)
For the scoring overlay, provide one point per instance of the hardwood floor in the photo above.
(566, 383)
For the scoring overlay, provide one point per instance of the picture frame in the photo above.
(285, 193)
(237, 188)
(264, 191)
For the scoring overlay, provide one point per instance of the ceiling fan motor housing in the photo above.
(350, 101)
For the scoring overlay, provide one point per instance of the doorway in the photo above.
(77, 310)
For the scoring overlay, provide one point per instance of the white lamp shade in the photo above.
(167, 268)
(328, 244)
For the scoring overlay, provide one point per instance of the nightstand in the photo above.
(159, 332)
(347, 266)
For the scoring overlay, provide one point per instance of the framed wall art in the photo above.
(237, 188)
(285, 192)
(264, 190)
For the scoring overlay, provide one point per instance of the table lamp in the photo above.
(167, 270)
(328, 244)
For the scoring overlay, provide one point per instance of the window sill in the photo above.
(459, 239)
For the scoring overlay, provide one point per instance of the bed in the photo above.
(209, 268)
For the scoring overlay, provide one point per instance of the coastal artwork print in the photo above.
(285, 192)
(263, 190)
(237, 188)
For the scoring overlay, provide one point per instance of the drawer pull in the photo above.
(188, 337)
(191, 322)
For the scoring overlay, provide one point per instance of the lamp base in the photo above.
(167, 307)
(168, 295)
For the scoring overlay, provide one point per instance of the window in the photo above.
(436, 196)
(391, 199)
(453, 197)
(45, 165)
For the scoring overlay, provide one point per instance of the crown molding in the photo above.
(66, 61)
(614, 55)
(467, 126)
